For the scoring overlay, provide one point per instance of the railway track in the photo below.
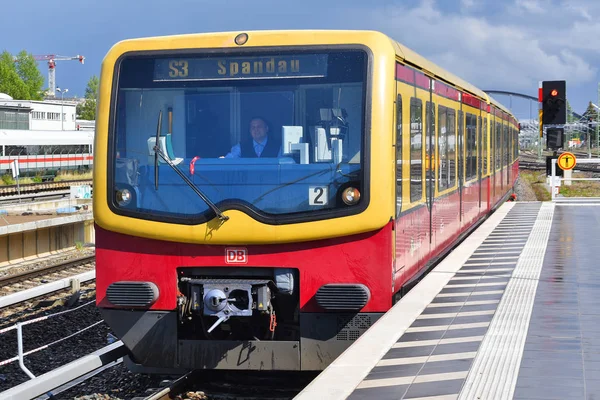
(228, 385)
(33, 188)
(529, 160)
(29, 279)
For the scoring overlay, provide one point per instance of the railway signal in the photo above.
(554, 104)
(555, 138)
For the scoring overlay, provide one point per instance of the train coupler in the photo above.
(227, 298)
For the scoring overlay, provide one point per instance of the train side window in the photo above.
(485, 146)
(506, 141)
(398, 155)
(442, 150)
(492, 142)
(514, 138)
(498, 145)
(451, 143)
(416, 149)
(430, 149)
(511, 150)
(516, 144)
(15, 150)
(471, 146)
(467, 147)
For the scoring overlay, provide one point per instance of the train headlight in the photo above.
(123, 197)
(241, 39)
(350, 196)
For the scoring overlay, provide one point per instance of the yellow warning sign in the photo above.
(566, 161)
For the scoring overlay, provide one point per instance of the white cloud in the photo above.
(531, 6)
(578, 9)
(507, 55)
(467, 3)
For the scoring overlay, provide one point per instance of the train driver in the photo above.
(259, 144)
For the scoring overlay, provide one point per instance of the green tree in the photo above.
(591, 112)
(570, 117)
(91, 91)
(10, 82)
(591, 116)
(87, 109)
(29, 73)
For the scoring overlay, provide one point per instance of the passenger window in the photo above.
(485, 146)
(451, 143)
(471, 146)
(480, 147)
(430, 149)
(506, 141)
(416, 149)
(442, 150)
(498, 146)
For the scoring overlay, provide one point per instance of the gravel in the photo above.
(46, 261)
(114, 383)
(524, 191)
(44, 332)
(40, 306)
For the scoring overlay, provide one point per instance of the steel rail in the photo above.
(10, 279)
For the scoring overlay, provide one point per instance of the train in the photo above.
(46, 152)
(262, 198)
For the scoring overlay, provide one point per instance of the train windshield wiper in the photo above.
(159, 152)
(284, 185)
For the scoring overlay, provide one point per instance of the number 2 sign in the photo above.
(318, 195)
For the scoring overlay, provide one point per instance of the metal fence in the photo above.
(557, 181)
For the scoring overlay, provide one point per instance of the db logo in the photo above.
(236, 256)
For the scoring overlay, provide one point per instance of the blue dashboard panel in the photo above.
(274, 186)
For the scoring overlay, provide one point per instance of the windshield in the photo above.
(276, 135)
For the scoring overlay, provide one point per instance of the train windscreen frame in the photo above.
(213, 110)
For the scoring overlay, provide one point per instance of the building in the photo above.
(37, 115)
(14, 117)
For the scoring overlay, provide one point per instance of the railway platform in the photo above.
(34, 230)
(511, 313)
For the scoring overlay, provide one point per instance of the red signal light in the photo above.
(554, 93)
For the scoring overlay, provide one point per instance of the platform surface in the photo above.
(511, 313)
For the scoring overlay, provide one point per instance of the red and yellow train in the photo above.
(262, 198)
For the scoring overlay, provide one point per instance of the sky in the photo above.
(507, 45)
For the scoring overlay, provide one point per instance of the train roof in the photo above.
(499, 105)
(14, 137)
(412, 57)
(403, 52)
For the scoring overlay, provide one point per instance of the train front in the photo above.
(241, 219)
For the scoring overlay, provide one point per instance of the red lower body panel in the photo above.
(364, 259)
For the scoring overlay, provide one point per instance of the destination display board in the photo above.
(250, 67)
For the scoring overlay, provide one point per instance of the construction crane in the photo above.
(52, 58)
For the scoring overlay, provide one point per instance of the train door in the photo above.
(431, 161)
(501, 154)
(493, 156)
(460, 159)
(508, 147)
(479, 156)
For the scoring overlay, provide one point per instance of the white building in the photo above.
(43, 115)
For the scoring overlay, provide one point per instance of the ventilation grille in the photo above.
(351, 327)
(132, 294)
(343, 297)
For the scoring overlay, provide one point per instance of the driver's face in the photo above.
(258, 129)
